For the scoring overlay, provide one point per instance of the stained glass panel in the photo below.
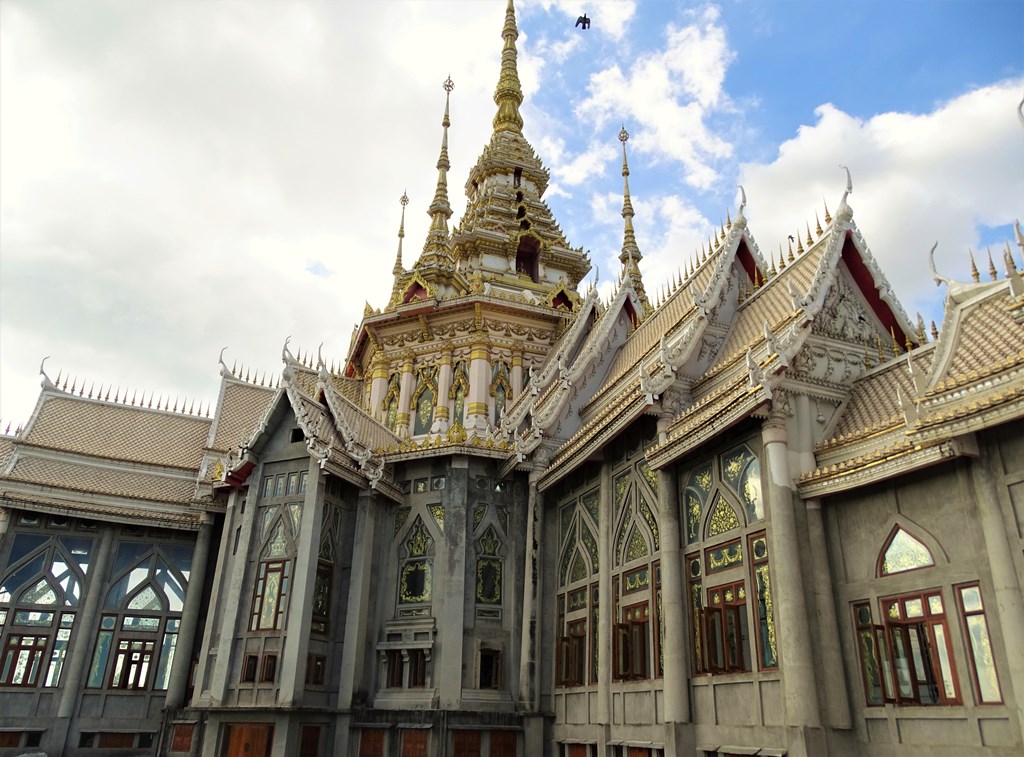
(905, 553)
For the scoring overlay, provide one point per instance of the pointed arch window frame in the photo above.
(894, 533)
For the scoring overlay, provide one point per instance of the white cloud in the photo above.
(669, 94)
(608, 17)
(917, 178)
(586, 165)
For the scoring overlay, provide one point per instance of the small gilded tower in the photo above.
(483, 304)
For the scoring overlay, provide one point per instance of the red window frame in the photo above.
(35, 651)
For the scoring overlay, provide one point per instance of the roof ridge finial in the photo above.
(398, 270)
(509, 94)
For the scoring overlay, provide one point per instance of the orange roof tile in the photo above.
(240, 411)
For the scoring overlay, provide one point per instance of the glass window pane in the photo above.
(945, 665)
(23, 545)
(971, 597)
(99, 659)
(163, 670)
(40, 594)
(984, 665)
(271, 591)
(22, 575)
(905, 553)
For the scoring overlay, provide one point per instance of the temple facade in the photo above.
(764, 514)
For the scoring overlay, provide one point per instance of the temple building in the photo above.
(765, 513)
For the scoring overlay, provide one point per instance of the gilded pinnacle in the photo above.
(509, 94)
(630, 249)
(398, 270)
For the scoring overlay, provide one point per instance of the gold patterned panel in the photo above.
(401, 515)
(649, 476)
(905, 553)
(592, 503)
(590, 543)
(723, 517)
(750, 491)
(621, 483)
(724, 557)
(415, 584)
(637, 546)
(419, 540)
(437, 511)
(488, 580)
(503, 518)
(565, 522)
(764, 596)
(478, 515)
(648, 515)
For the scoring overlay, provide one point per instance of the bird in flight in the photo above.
(583, 21)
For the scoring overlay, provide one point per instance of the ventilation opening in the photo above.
(297, 435)
(528, 257)
(517, 177)
(519, 196)
(524, 225)
(521, 213)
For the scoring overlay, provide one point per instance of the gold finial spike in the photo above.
(739, 293)
(809, 240)
(878, 346)
(247, 375)
(867, 358)
(921, 338)
(790, 254)
(782, 260)
(974, 268)
(175, 403)
(817, 224)
(895, 344)
(991, 266)
(728, 220)
(630, 254)
(107, 398)
(721, 230)
(828, 218)
(398, 269)
(750, 291)
(65, 386)
(772, 271)
(935, 331)
(91, 387)
(192, 407)
(907, 344)
(509, 94)
(799, 243)
(135, 393)
(758, 279)
(117, 394)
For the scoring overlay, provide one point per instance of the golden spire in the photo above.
(817, 224)
(799, 243)
(630, 250)
(440, 210)
(398, 270)
(974, 268)
(991, 266)
(630, 255)
(809, 240)
(935, 331)
(509, 94)
(828, 218)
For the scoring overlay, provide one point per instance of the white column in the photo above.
(797, 663)
(673, 589)
(529, 672)
(403, 427)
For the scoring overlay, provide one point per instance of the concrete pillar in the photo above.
(234, 604)
(605, 609)
(182, 665)
(529, 668)
(442, 413)
(208, 647)
(296, 642)
(673, 590)
(85, 627)
(1009, 601)
(407, 384)
(5, 520)
(453, 588)
(837, 700)
(477, 412)
(378, 386)
(800, 695)
(355, 657)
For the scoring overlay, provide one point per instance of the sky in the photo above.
(179, 177)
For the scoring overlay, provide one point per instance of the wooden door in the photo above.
(249, 740)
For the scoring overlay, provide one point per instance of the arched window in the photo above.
(577, 601)
(501, 389)
(138, 634)
(415, 572)
(730, 593)
(903, 552)
(528, 253)
(390, 403)
(423, 399)
(41, 589)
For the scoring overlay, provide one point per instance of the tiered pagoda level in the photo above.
(755, 512)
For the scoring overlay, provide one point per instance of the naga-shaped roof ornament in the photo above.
(46, 382)
(509, 94)
(743, 201)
